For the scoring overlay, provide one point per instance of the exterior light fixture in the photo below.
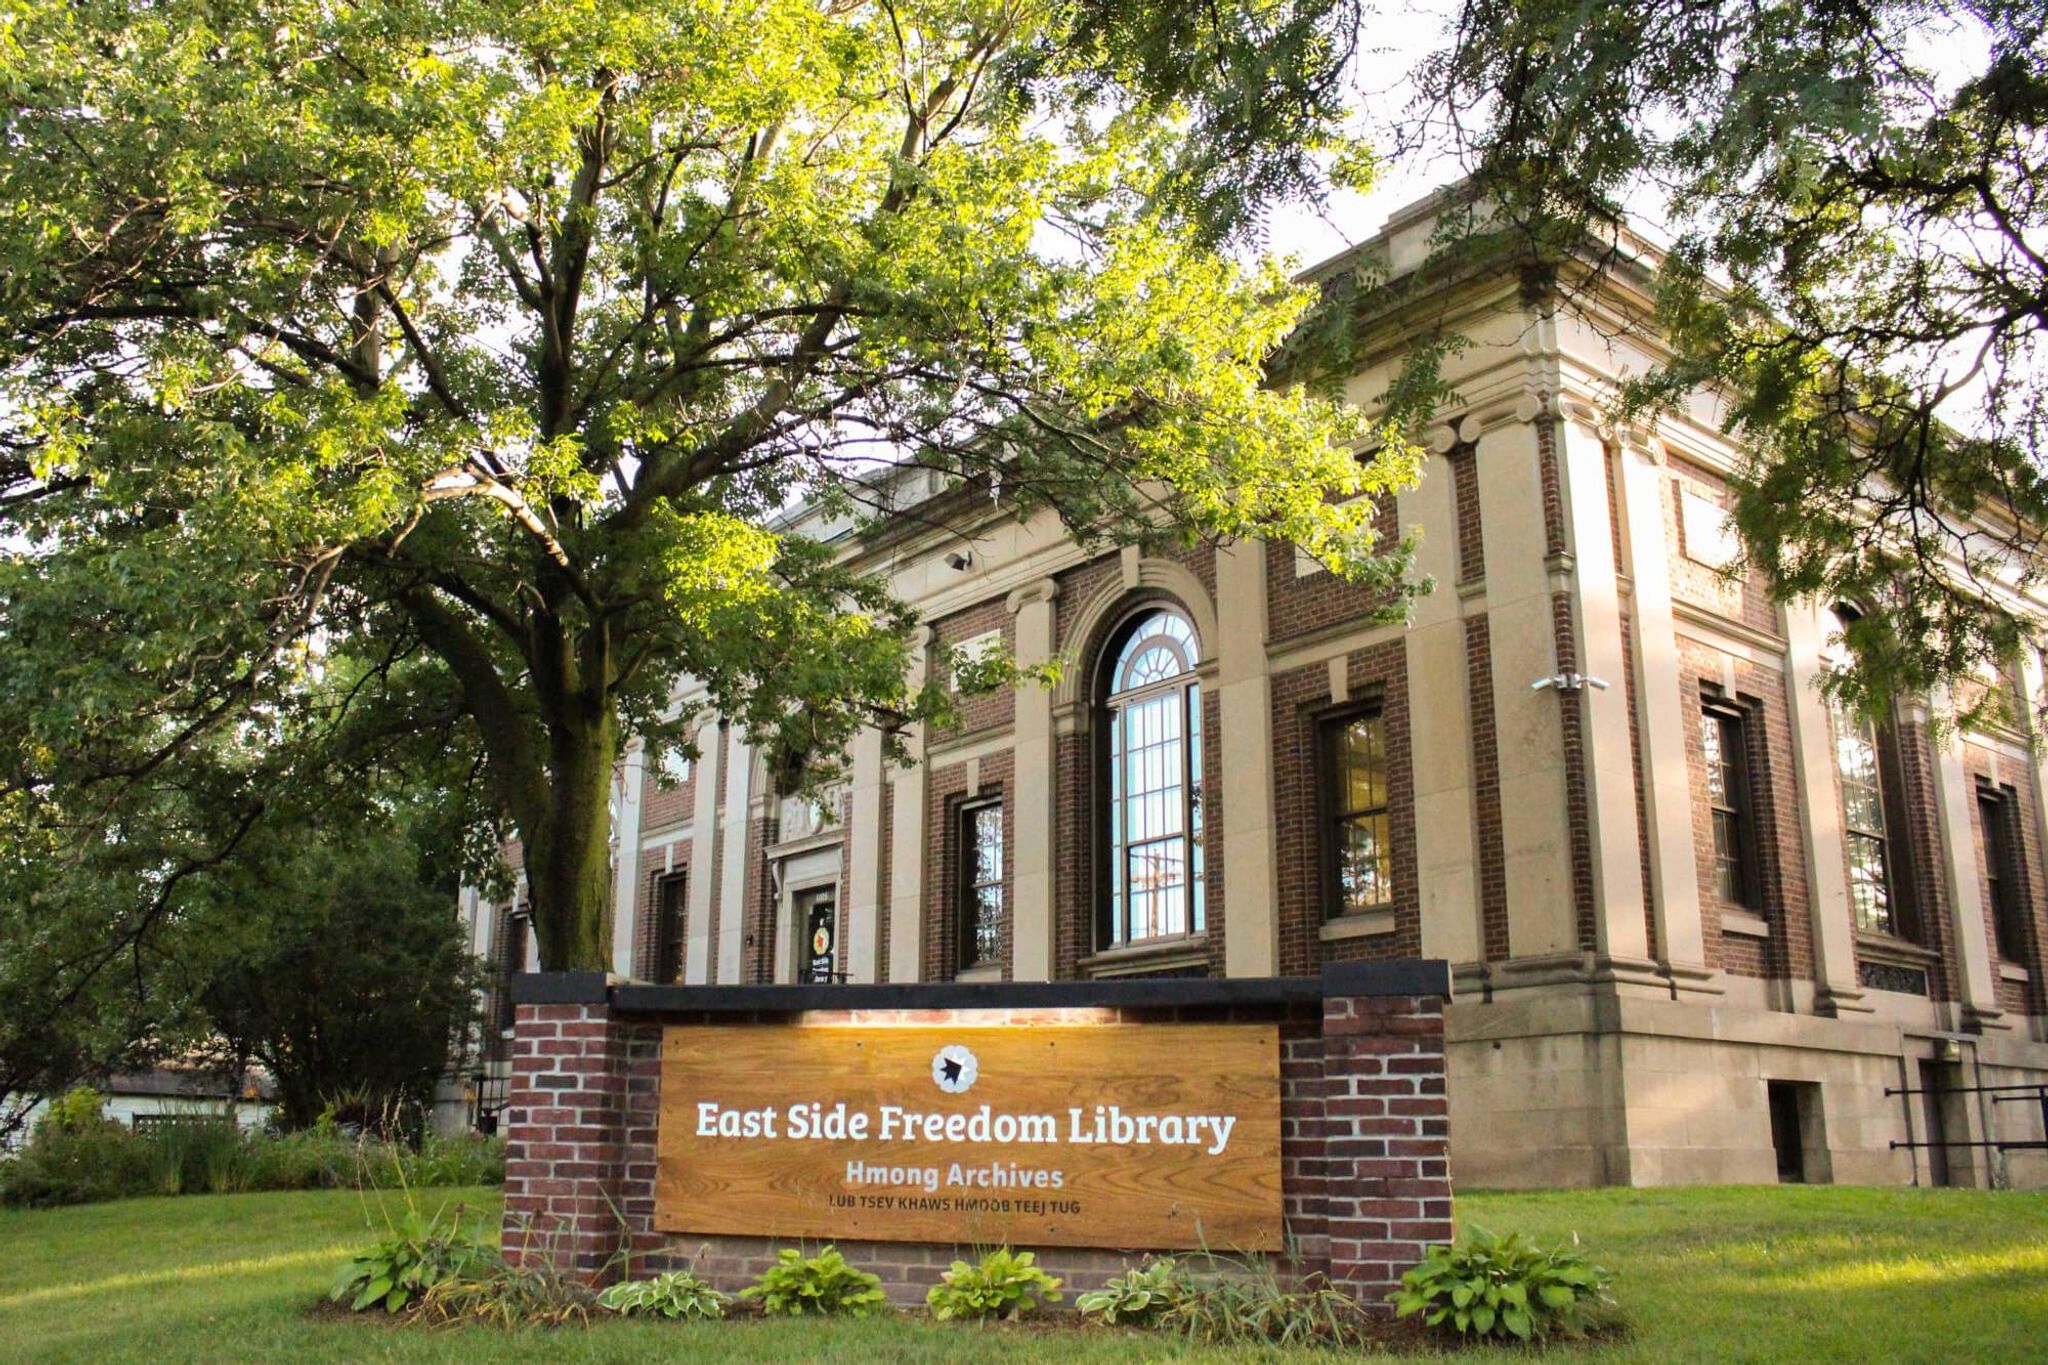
(1569, 682)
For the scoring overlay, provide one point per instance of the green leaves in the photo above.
(1855, 278)
(420, 1253)
(1144, 1297)
(1494, 1286)
(682, 1295)
(479, 354)
(1005, 1284)
(823, 1284)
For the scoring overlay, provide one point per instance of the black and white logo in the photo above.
(954, 1069)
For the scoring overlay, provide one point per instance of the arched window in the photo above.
(1153, 715)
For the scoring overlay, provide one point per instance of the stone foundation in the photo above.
(1365, 1173)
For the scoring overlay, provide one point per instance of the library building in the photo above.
(1690, 923)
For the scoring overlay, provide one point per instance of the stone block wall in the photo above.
(1365, 1174)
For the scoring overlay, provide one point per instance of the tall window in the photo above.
(2001, 874)
(1866, 757)
(1723, 738)
(981, 885)
(1358, 865)
(670, 900)
(1154, 715)
(1871, 883)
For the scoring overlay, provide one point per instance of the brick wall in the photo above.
(992, 710)
(1745, 599)
(2012, 775)
(1762, 696)
(1300, 604)
(1300, 700)
(1366, 1184)
(666, 807)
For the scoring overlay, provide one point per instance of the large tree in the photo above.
(485, 342)
(1859, 266)
(199, 906)
(356, 986)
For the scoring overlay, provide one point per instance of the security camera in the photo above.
(959, 560)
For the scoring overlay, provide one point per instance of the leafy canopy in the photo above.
(1860, 267)
(477, 348)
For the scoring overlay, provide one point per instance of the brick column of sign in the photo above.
(562, 1131)
(1387, 1174)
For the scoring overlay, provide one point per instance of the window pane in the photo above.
(982, 915)
(1364, 863)
(2000, 883)
(1869, 890)
(1728, 858)
(1161, 645)
(1362, 764)
(1856, 757)
(1158, 882)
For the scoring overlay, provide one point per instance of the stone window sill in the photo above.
(1744, 923)
(1885, 948)
(1357, 926)
(1139, 958)
(987, 971)
(2012, 971)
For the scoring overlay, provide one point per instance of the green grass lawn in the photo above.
(1705, 1274)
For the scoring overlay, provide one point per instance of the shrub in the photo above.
(1491, 1286)
(677, 1294)
(1007, 1284)
(492, 1292)
(82, 1160)
(420, 1253)
(66, 1165)
(1139, 1298)
(465, 1159)
(194, 1153)
(1247, 1305)
(77, 1110)
(823, 1284)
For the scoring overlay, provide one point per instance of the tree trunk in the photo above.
(566, 833)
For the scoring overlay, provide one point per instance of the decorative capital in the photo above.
(1043, 590)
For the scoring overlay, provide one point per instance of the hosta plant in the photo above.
(798, 1285)
(1006, 1284)
(1488, 1286)
(1139, 1298)
(682, 1294)
(421, 1252)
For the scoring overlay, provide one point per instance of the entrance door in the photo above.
(1935, 1109)
(818, 914)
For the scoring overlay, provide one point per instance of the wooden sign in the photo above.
(1112, 1135)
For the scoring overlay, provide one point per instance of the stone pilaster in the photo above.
(1620, 917)
(732, 858)
(1535, 833)
(1954, 813)
(1440, 725)
(1837, 989)
(626, 859)
(1251, 886)
(864, 860)
(703, 888)
(1035, 952)
(908, 792)
(1665, 720)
